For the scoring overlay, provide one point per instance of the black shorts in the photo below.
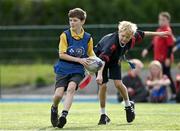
(63, 80)
(111, 72)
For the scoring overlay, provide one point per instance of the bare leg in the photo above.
(67, 103)
(102, 95)
(58, 96)
(104, 119)
(129, 107)
(122, 90)
(69, 96)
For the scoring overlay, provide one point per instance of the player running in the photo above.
(74, 47)
(110, 49)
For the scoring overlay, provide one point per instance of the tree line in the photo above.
(54, 12)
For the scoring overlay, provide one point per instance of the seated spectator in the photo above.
(136, 89)
(157, 83)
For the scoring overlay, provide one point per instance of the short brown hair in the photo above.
(166, 14)
(77, 12)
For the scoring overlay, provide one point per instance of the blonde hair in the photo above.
(126, 26)
(157, 64)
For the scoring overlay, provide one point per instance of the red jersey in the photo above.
(161, 44)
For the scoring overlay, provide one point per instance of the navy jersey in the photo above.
(109, 49)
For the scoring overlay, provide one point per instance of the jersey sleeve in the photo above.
(90, 51)
(63, 43)
(137, 38)
(139, 35)
(107, 52)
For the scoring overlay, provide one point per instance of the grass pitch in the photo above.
(85, 116)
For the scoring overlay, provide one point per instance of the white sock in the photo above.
(127, 103)
(103, 111)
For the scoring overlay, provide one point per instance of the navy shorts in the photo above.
(63, 80)
(111, 72)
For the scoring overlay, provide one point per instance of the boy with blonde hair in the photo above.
(74, 47)
(110, 49)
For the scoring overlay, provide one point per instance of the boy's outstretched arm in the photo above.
(151, 33)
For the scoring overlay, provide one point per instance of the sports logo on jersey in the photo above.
(75, 51)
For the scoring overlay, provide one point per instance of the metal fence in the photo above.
(21, 44)
(29, 44)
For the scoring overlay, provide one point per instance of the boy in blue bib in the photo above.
(74, 47)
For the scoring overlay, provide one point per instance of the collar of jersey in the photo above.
(77, 36)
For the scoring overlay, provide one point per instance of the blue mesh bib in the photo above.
(76, 48)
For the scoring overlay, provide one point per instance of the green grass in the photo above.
(18, 75)
(85, 116)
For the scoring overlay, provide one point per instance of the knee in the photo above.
(119, 84)
(102, 87)
(57, 96)
(71, 91)
(71, 88)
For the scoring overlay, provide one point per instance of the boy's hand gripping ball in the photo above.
(94, 66)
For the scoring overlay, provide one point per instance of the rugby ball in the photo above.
(94, 65)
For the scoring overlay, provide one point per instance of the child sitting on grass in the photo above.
(157, 83)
